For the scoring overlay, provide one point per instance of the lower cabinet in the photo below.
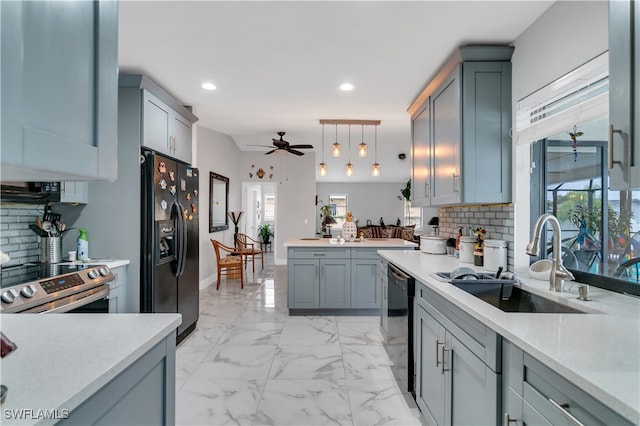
(365, 289)
(117, 290)
(335, 283)
(144, 393)
(455, 385)
(535, 394)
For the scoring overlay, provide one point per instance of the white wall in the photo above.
(218, 153)
(569, 34)
(366, 200)
(295, 194)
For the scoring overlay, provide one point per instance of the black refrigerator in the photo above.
(169, 264)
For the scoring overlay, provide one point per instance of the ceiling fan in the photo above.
(282, 146)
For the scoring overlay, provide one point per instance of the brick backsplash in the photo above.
(497, 220)
(16, 239)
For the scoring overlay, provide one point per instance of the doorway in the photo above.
(259, 202)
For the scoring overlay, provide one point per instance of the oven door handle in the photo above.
(77, 303)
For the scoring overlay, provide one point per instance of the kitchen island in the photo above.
(90, 369)
(325, 277)
(592, 358)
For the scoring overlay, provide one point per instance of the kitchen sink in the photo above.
(519, 300)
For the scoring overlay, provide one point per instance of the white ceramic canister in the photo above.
(495, 254)
(433, 245)
(467, 247)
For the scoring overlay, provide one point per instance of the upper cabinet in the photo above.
(166, 126)
(461, 122)
(624, 94)
(59, 90)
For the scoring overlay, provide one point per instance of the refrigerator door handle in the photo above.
(177, 210)
(183, 238)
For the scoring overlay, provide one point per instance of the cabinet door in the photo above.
(383, 284)
(512, 408)
(365, 290)
(74, 192)
(117, 290)
(471, 394)
(421, 157)
(157, 116)
(446, 141)
(59, 89)
(430, 375)
(303, 283)
(180, 131)
(624, 94)
(335, 283)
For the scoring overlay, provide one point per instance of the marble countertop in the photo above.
(63, 359)
(368, 242)
(599, 351)
(111, 263)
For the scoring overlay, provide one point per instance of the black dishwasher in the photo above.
(399, 339)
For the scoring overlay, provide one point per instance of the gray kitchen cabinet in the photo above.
(383, 285)
(624, 94)
(166, 124)
(468, 120)
(59, 90)
(335, 283)
(365, 288)
(535, 394)
(457, 364)
(117, 290)
(421, 157)
(305, 293)
(74, 192)
(144, 393)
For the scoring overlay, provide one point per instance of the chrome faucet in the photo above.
(558, 272)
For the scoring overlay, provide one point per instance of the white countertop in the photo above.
(63, 359)
(598, 352)
(111, 263)
(368, 242)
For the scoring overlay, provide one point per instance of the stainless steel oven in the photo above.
(54, 288)
(399, 333)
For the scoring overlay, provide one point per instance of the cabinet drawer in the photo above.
(480, 339)
(542, 386)
(319, 253)
(365, 253)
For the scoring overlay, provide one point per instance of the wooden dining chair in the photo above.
(247, 247)
(231, 263)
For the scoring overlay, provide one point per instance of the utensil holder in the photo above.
(51, 249)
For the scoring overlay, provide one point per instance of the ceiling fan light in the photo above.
(362, 150)
(375, 169)
(348, 170)
(335, 150)
(323, 168)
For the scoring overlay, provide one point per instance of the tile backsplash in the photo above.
(16, 239)
(497, 220)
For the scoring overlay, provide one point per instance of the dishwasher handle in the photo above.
(397, 273)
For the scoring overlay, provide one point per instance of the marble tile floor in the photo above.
(249, 363)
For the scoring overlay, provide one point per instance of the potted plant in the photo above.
(266, 232)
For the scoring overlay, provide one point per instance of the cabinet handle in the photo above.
(437, 355)
(319, 254)
(442, 364)
(426, 190)
(564, 410)
(456, 180)
(610, 146)
(508, 419)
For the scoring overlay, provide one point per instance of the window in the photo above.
(339, 210)
(412, 215)
(269, 208)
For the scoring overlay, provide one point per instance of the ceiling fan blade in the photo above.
(304, 146)
(293, 151)
(263, 146)
(270, 152)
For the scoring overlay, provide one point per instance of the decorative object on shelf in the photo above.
(266, 232)
(218, 202)
(235, 218)
(574, 137)
(349, 228)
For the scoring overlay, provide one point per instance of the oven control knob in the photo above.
(9, 296)
(92, 274)
(104, 271)
(29, 291)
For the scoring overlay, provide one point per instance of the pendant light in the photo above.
(375, 167)
(362, 148)
(348, 170)
(323, 165)
(335, 149)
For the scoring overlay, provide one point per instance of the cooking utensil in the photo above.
(38, 222)
(48, 228)
(499, 272)
(39, 232)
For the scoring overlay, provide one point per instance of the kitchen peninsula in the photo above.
(325, 277)
(90, 369)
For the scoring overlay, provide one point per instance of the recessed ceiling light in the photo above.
(346, 87)
(208, 86)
